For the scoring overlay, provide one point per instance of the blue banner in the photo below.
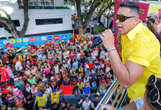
(25, 41)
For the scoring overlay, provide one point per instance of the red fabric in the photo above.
(47, 44)
(67, 90)
(107, 63)
(6, 90)
(90, 66)
(71, 56)
(92, 38)
(4, 75)
(19, 104)
(75, 36)
(54, 61)
(50, 63)
(103, 81)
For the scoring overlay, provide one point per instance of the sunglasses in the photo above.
(154, 93)
(122, 18)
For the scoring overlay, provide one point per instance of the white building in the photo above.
(45, 17)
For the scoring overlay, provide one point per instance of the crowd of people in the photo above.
(31, 77)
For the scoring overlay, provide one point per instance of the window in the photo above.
(49, 21)
(40, 3)
(16, 22)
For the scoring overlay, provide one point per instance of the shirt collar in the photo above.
(131, 34)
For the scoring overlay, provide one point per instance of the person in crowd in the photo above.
(140, 52)
(87, 104)
(152, 24)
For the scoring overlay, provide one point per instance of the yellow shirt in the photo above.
(41, 101)
(141, 47)
(55, 98)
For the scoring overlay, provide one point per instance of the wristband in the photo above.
(111, 49)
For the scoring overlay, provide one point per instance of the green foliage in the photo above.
(84, 15)
(106, 4)
(99, 28)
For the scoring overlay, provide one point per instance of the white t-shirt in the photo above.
(78, 56)
(102, 65)
(18, 66)
(107, 69)
(66, 54)
(86, 105)
(56, 68)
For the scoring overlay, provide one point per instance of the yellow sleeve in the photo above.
(144, 52)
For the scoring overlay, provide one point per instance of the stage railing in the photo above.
(114, 96)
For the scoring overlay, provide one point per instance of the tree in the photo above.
(84, 19)
(9, 26)
(82, 24)
(105, 5)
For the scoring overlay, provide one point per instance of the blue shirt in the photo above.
(86, 90)
(75, 65)
(19, 84)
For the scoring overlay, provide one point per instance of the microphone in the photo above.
(97, 39)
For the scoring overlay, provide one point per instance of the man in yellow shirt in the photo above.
(140, 55)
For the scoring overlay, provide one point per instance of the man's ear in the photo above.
(136, 18)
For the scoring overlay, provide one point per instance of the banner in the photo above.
(154, 8)
(143, 12)
(25, 41)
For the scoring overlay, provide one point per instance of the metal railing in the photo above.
(115, 96)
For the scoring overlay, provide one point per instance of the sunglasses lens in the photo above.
(121, 18)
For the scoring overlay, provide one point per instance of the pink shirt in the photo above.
(47, 71)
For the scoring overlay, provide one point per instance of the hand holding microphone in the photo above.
(108, 39)
(98, 39)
